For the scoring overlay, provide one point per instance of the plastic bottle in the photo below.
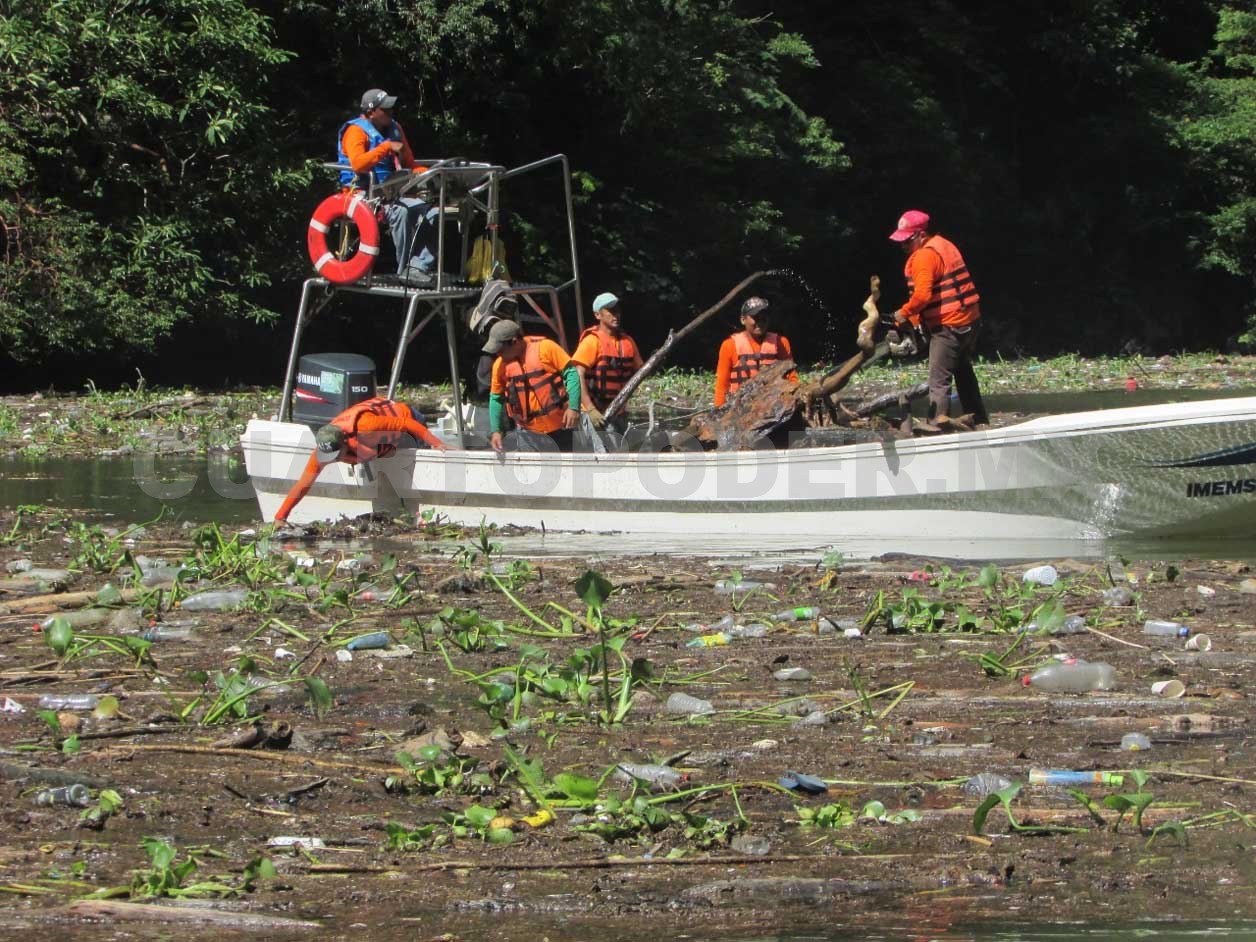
(1068, 777)
(1134, 742)
(803, 613)
(1117, 595)
(160, 575)
(1041, 575)
(218, 600)
(1165, 629)
(660, 777)
(708, 641)
(376, 639)
(722, 625)
(684, 704)
(69, 701)
(753, 630)
(1072, 625)
(1077, 677)
(79, 619)
(729, 587)
(75, 795)
(168, 633)
(986, 783)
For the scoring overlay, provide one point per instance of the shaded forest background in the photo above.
(1094, 159)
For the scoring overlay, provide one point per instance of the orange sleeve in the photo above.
(409, 424)
(361, 157)
(553, 356)
(724, 370)
(300, 489)
(497, 382)
(926, 267)
(787, 352)
(586, 352)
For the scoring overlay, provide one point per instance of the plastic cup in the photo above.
(1168, 689)
(1199, 643)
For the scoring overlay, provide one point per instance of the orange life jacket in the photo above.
(372, 444)
(954, 299)
(612, 368)
(535, 395)
(749, 360)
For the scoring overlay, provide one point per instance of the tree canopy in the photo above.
(1095, 161)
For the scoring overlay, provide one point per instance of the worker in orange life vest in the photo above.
(365, 430)
(534, 382)
(605, 358)
(749, 350)
(944, 303)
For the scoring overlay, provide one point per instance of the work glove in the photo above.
(596, 417)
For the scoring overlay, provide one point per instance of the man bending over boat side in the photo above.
(606, 358)
(535, 383)
(365, 430)
(944, 303)
(749, 350)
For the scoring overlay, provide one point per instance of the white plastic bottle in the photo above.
(1076, 677)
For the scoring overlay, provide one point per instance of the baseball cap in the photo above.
(501, 334)
(605, 299)
(328, 442)
(754, 307)
(377, 98)
(911, 223)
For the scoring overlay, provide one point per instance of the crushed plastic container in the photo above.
(986, 783)
(1135, 742)
(1041, 575)
(802, 613)
(792, 673)
(1076, 677)
(77, 619)
(1165, 629)
(1072, 625)
(753, 630)
(722, 625)
(658, 777)
(76, 796)
(686, 705)
(730, 587)
(708, 641)
(1117, 595)
(217, 600)
(69, 701)
(168, 633)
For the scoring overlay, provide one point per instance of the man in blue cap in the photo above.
(605, 358)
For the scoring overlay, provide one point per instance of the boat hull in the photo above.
(1186, 469)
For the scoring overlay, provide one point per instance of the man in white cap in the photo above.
(534, 383)
(605, 358)
(371, 148)
(943, 301)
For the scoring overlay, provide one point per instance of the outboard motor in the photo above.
(328, 383)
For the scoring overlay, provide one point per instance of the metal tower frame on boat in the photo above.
(465, 190)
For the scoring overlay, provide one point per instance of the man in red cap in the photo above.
(943, 301)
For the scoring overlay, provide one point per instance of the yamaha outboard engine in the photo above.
(328, 383)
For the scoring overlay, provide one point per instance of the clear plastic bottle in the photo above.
(730, 587)
(1077, 677)
(723, 624)
(218, 600)
(792, 673)
(986, 783)
(1041, 575)
(709, 641)
(753, 630)
(1072, 625)
(687, 705)
(1165, 629)
(1135, 742)
(77, 619)
(168, 633)
(802, 613)
(76, 795)
(658, 777)
(69, 701)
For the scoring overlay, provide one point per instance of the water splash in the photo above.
(836, 334)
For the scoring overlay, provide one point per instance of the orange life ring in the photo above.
(351, 206)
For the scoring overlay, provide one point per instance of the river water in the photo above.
(134, 489)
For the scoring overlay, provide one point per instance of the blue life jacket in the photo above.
(382, 170)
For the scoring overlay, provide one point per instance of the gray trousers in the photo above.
(951, 356)
(410, 224)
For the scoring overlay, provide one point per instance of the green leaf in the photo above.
(320, 696)
(59, 635)
(594, 588)
(500, 835)
(71, 745)
(576, 787)
(479, 817)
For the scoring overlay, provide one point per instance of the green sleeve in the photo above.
(571, 379)
(497, 412)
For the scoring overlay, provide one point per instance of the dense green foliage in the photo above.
(1095, 161)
